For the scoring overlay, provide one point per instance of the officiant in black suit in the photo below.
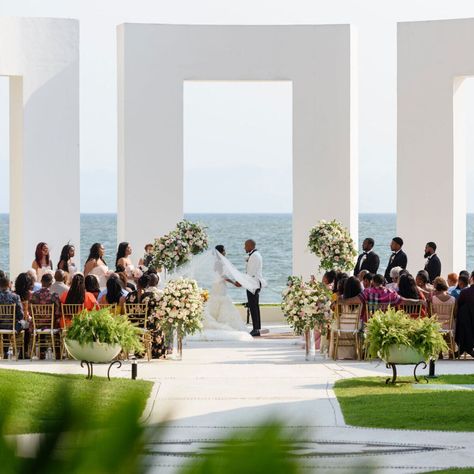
(433, 263)
(368, 259)
(398, 257)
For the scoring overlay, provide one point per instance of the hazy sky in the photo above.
(237, 135)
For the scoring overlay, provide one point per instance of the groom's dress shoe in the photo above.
(255, 333)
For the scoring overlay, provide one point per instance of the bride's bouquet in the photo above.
(181, 308)
(332, 243)
(306, 305)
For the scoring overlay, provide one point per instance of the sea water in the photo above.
(272, 232)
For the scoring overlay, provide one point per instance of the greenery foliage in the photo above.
(103, 326)
(395, 327)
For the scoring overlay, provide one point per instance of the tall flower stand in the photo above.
(310, 345)
(177, 353)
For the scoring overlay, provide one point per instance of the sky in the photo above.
(237, 135)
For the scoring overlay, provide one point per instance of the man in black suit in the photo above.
(398, 257)
(433, 263)
(367, 260)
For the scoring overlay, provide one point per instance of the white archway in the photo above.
(153, 62)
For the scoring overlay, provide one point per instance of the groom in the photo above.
(254, 270)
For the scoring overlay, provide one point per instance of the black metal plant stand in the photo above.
(393, 379)
(90, 368)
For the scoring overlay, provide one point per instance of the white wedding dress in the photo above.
(222, 320)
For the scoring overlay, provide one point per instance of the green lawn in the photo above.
(456, 470)
(30, 400)
(369, 402)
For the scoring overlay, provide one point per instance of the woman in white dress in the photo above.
(96, 265)
(222, 321)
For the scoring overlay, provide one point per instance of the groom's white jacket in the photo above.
(254, 268)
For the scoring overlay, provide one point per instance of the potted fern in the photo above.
(397, 338)
(99, 336)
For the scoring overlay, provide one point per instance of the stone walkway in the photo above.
(223, 387)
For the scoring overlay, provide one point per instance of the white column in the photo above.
(433, 57)
(41, 57)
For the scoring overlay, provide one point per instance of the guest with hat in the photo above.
(397, 259)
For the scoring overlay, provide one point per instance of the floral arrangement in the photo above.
(181, 307)
(395, 327)
(306, 305)
(177, 247)
(333, 244)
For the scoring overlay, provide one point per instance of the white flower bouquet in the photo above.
(181, 307)
(306, 305)
(333, 244)
(194, 235)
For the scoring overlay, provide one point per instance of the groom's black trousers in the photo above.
(253, 304)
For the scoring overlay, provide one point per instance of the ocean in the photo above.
(272, 232)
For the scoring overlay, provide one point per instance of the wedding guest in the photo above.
(121, 280)
(367, 280)
(397, 259)
(59, 286)
(8, 297)
(328, 279)
(46, 295)
(77, 294)
(464, 335)
(24, 285)
(394, 275)
(33, 275)
(123, 256)
(42, 260)
(361, 275)
(147, 258)
(66, 260)
(92, 285)
(433, 263)
(126, 283)
(96, 265)
(422, 281)
(368, 259)
(452, 281)
(463, 282)
(337, 287)
(352, 288)
(142, 284)
(440, 294)
(114, 293)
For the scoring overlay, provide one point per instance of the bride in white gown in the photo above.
(222, 320)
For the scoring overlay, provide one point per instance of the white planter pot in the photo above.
(93, 351)
(403, 355)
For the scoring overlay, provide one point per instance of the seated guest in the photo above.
(154, 284)
(24, 289)
(8, 297)
(394, 276)
(452, 281)
(440, 294)
(338, 285)
(142, 285)
(423, 283)
(77, 294)
(122, 283)
(464, 334)
(463, 282)
(408, 290)
(59, 286)
(34, 278)
(46, 296)
(361, 275)
(367, 280)
(352, 288)
(92, 285)
(328, 279)
(114, 294)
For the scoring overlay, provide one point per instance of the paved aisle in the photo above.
(222, 387)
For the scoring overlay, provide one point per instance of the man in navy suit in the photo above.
(398, 257)
(368, 259)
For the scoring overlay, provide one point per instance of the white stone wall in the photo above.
(41, 57)
(153, 62)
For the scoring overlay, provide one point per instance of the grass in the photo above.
(456, 470)
(30, 399)
(369, 402)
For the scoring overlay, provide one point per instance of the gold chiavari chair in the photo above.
(346, 332)
(68, 311)
(415, 310)
(444, 313)
(137, 315)
(44, 333)
(8, 331)
(113, 308)
(372, 307)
